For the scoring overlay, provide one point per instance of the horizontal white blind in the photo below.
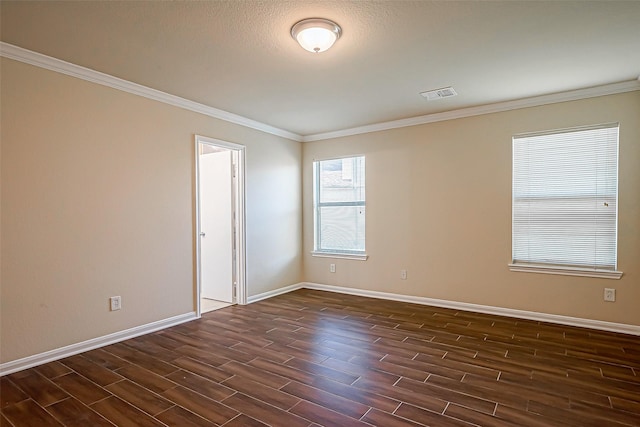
(339, 200)
(565, 194)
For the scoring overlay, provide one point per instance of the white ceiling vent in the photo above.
(444, 92)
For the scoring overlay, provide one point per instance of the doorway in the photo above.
(220, 244)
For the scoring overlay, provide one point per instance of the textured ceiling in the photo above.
(238, 56)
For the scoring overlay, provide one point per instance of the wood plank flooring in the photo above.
(311, 358)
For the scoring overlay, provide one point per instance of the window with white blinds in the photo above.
(339, 206)
(565, 197)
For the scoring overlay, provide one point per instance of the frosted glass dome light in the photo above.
(316, 34)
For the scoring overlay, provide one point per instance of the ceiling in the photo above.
(238, 56)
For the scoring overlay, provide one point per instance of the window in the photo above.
(339, 207)
(565, 196)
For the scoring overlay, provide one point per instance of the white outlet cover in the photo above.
(116, 303)
(609, 294)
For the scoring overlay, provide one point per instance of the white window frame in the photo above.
(552, 268)
(350, 254)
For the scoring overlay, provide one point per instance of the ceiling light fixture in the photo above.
(316, 34)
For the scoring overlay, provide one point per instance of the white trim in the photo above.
(47, 62)
(275, 292)
(70, 350)
(500, 311)
(553, 98)
(565, 271)
(53, 64)
(240, 197)
(357, 257)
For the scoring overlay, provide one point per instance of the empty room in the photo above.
(319, 213)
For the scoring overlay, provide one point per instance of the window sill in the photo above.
(357, 257)
(565, 271)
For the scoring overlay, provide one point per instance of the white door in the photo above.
(216, 226)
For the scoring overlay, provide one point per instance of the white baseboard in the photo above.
(60, 353)
(275, 292)
(70, 350)
(500, 311)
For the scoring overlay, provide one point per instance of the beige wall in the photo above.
(97, 200)
(439, 205)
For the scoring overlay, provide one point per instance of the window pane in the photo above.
(342, 228)
(342, 180)
(339, 201)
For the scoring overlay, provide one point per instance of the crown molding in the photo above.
(572, 95)
(53, 64)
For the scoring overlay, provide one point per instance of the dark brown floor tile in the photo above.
(264, 412)
(105, 359)
(124, 351)
(29, 414)
(391, 368)
(626, 405)
(244, 421)
(432, 403)
(146, 378)
(424, 416)
(204, 386)
(323, 416)
(379, 418)
(466, 365)
(73, 413)
(139, 397)
(203, 406)
(39, 388)
(261, 392)
(4, 422)
(475, 417)
(572, 416)
(263, 353)
(255, 374)
(328, 400)
(9, 393)
(426, 389)
(364, 371)
(52, 369)
(177, 416)
(81, 388)
(202, 354)
(357, 395)
(202, 369)
(96, 373)
(122, 414)
(503, 392)
(613, 415)
(146, 346)
(528, 419)
(281, 370)
(428, 368)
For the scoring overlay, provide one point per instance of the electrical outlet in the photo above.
(609, 294)
(116, 303)
(403, 274)
(332, 268)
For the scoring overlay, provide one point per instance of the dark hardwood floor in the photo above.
(311, 358)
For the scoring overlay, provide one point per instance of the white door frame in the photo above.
(239, 201)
